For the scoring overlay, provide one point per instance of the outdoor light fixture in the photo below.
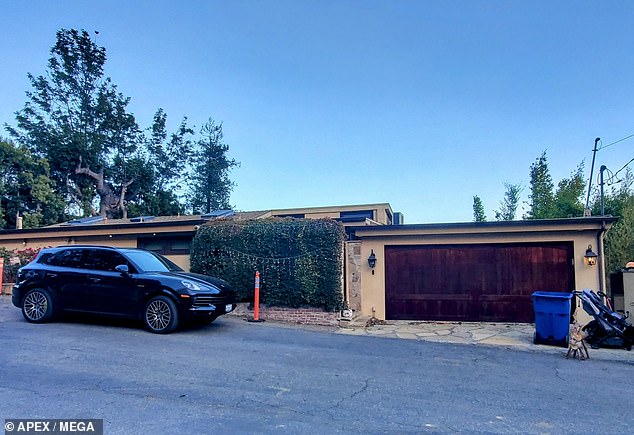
(372, 261)
(590, 258)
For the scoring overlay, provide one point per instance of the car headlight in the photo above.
(191, 285)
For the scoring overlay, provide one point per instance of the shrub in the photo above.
(299, 260)
(15, 259)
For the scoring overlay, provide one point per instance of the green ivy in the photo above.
(299, 260)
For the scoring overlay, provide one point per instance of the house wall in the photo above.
(382, 213)
(119, 240)
(372, 286)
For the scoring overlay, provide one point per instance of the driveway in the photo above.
(240, 377)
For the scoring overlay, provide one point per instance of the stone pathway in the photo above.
(517, 336)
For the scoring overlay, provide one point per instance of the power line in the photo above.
(624, 166)
(615, 142)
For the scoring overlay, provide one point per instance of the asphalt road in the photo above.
(240, 377)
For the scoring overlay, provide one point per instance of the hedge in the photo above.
(299, 260)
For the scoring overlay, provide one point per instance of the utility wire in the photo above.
(614, 143)
(624, 166)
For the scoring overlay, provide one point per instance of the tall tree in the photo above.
(508, 206)
(478, 210)
(619, 240)
(78, 121)
(210, 186)
(542, 198)
(169, 156)
(26, 189)
(568, 200)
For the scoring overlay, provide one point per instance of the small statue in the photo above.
(576, 343)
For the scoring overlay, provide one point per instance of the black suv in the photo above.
(121, 282)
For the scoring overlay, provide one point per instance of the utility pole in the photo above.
(594, 153)
(601, 169)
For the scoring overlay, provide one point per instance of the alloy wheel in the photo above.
(158, 315)
(35, 306)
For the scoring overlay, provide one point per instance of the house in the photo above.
(476, 271)
(484, 271)
(172, 235)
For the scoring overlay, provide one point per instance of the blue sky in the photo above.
(417, 103)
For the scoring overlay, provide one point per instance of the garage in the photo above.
(474, 282)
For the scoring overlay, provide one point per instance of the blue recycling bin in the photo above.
(552, 318)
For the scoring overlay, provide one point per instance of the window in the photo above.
(149, 262)
(102, 259)
(294, 216)
(65, 258)
(166, 245)
(356, 216)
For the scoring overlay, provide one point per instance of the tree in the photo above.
(160, 183)
(26, 189)
(508, 206)
(478, 210)
(210, 186)
(568, 200)
(542, 199)
(78, 121)
(100, 160)
(619, 240)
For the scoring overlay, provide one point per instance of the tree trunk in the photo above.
(109, 201)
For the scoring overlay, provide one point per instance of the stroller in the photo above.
(609, 328)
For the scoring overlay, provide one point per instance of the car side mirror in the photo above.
(123, 269)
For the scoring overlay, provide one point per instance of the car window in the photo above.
(151, 262)
(45, 258)
(102, 259)
(65, 258)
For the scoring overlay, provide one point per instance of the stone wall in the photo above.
(304, 316)
(7, 288)
(353, 272)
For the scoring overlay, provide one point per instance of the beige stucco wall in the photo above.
(373, 286)
(23, 243)
(119, 241)
(380, 211)
(181, 260)
(120, 238)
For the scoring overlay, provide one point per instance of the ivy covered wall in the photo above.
(299, 260)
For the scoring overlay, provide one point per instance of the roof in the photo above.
(575, 224)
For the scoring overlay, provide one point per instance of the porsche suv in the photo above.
(121, 282)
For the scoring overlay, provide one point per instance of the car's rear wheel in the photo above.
(161, 315)
(37, 306)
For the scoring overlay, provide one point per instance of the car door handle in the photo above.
(51, 275)
(94, 279)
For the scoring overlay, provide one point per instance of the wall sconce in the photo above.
(590, 258)
(372, 261)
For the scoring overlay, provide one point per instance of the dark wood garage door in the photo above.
(492, 282)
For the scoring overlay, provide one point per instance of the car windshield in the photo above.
(147, 261)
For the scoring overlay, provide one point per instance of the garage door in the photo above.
(492, 282)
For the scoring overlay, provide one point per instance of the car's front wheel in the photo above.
(161, 315)
(37, 306)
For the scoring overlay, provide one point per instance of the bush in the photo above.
(299, 260)
(15, 259)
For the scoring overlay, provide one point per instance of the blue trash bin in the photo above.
(552, 318)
